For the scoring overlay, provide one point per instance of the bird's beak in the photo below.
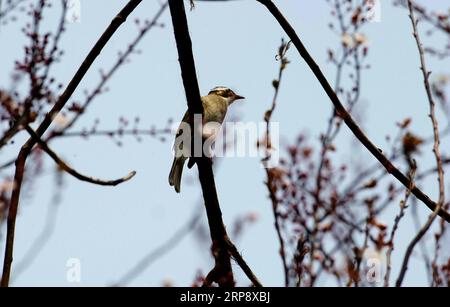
(238, 97)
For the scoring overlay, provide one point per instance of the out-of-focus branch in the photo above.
(436, 149)
(222, 272)
(400, 215)
(345, 115)
(268, 147)
(24, 115)
(334, 122)
(112, 133)
(425, 15)
(426, 76)
(11, 6)
(160, 251)
(46, 233)
(59, 105)
(122, 58)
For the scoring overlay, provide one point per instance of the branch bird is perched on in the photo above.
(215, 106)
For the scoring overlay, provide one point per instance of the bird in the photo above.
(215, 106)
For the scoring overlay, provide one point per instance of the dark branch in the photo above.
(65, 167)
(222, 272)
(59, 105)
(345, 115)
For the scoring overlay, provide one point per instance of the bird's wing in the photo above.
(184, 120)
(177, 147)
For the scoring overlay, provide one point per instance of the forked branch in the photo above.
(345, 115)
(47, 121)
(65, 167)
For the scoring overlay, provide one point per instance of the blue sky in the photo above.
(109, 229)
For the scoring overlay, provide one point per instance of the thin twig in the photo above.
(334, 120)
(355, 278)
(422, 244)
(59, 105)
(400, 215)
(9, 8)
(345, 115)
(436, 150)
(243, 264)
(108, 75)
(112, 133)
(163, 249)
(269, 181)
(65, 167)
(427, 16)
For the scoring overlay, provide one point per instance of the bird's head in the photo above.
(226, 93)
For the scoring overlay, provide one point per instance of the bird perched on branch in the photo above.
(215, 106)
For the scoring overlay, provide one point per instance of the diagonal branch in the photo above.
(59, 105)
(161, 250)
(345, 115)
(11, 6)
(222, 272)
(109, 74)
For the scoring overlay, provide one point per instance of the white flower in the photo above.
(360, 39)
(354, 40)
(61, 120)
(347, 40)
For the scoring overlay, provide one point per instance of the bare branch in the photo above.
(11, 6)
(63, 165)
(436, 150)
(243, 264)
(345, 115)
(160, 251)
(59, 105)
(122, 58)
(281, 56)
(400, 215)
(222, 272)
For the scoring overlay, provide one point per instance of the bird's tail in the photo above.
(176, 172)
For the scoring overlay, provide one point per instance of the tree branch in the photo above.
(345, 115)
(398, 217)
(65, 167)
(436, 150)
(222, 272)
(161, 250)
(281, 56)
(59, 105)
(109, 74)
